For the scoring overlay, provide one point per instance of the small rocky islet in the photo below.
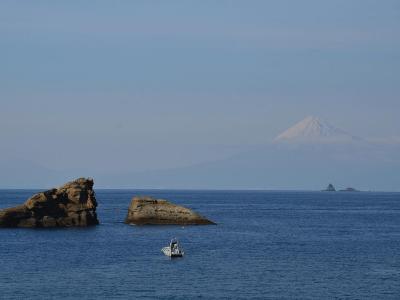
(71, 205)
(331, 188)
(150, 211)
(74, 205)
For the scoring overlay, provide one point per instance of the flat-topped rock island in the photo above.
(148, 210)
(73, 204)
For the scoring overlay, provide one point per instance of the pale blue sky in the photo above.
(148, 84)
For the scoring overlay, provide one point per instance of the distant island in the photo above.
(330, 188)
(349, 189)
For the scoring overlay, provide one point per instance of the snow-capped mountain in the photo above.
(308, 155)
(313, 129)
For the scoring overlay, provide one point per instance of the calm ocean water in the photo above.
(267, 245)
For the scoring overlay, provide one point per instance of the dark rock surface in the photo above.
(148, 210)
(73, 204)
(330, 188)
(349, 189)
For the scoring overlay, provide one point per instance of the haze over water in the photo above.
(110, 90)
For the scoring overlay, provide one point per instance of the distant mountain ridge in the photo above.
(314, 129)
(305, 156)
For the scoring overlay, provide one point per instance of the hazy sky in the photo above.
(149, 84)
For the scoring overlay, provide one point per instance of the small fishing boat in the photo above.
(174, 249)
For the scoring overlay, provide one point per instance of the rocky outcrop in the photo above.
(148, 210)
(330, 188)
(73, 204)
(349, 189)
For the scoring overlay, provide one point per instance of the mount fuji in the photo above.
(313, 129)
(308, 155)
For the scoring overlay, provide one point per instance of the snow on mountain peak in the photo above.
(313, 129)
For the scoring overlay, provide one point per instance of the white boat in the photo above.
(174, 249)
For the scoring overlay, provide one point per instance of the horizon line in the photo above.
(210, 189)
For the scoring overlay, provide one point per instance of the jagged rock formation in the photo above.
(148, 210)
(73, 204)
(330, 188)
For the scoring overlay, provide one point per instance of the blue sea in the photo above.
(267, 245)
